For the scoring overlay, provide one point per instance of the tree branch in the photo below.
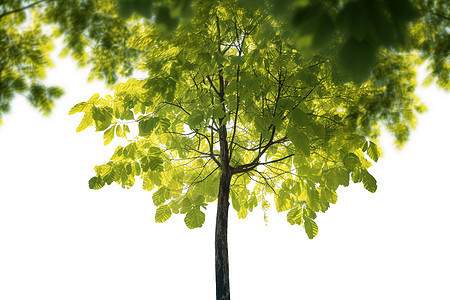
(21, 8)
(236, 114)
(267, 181)
(176, 105)
(284, 139)
(197, 182)
(303, 98)
(276, 160)
(200, 152)
(255, 162)
(437, 14)
(199, 174)
(211, 147)
(212, 85)
(180, 133)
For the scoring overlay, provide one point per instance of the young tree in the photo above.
(232, 112)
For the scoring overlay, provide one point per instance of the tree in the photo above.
(232, 112)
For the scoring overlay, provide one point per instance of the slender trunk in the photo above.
(222, 267)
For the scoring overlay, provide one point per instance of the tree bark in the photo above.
(221, 245)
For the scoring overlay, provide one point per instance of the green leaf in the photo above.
(109, 175)
(235, 203)
(96, 183)
(300, 118)
(94, 98)
(85, 122)
(160, 196)
(373, 151)
(219, 58)
(78, 108)
(103, 170)
(262, 125)
(198, 200)
(237, 60)
(357, 175)
(128, 168)
(130, 150)
(327, 195)
(195, 119)
(174, 206)
(108, 135)
(318, 129)
(163, 213)
(355, 19)
(252, 202)
(137, 168)
(351, 161)
(336, 176)
(146, 126)
(148, 184)
(282, 201)
(242, 213)
(194, 218)
(364, 146)
(324, 31)
(185, 205)
(313, 199)
(294, 216)
(119, 131)
(311, 228)
(102, 117)
(369, 182)
(300, 140)
(125, 176)
(152, 163)
(126, 129)
(218, 113)
(164, 124)
(127, 115)
(356, 58)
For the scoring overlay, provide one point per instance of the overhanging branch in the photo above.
(21, 8)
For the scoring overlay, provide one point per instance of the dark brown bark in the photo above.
(222, 267)
(221, 244)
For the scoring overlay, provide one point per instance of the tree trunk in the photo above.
(222, 267)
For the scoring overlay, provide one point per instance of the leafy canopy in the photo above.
(295, 131)
(354, 30)
(97, 33)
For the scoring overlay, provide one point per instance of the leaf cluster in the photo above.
(353, 30)
(431, 37)
(24, 57)
(92, 33)
(229, 87)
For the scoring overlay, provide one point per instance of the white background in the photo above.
(60, 240)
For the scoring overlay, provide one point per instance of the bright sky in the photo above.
(60, 240)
